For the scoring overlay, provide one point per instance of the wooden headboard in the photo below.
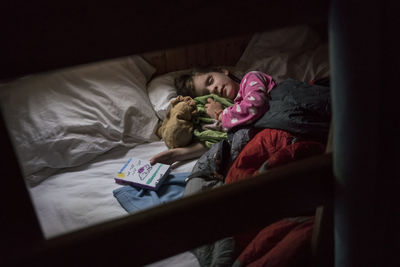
(222, 52)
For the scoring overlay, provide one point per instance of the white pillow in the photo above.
(161, 90)
(66, 118)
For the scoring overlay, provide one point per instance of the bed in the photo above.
(74, 128)
(44, 36)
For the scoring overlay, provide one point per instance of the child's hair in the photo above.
(184, 83)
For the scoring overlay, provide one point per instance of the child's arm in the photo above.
(214, 109)
(172, 155)
(251, 102)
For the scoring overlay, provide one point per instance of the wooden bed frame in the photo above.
(50, 36)
(224, 52)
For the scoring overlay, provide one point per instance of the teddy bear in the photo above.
(177, 128)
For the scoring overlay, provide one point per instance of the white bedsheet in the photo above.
(82, 196)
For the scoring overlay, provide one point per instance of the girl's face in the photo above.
(217, 83)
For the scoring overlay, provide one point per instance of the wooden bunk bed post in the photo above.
(322, 240)
(365, 64)
(18, 222)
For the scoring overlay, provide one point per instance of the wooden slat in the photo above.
(224, 52)
(19, 225)
(322, 241)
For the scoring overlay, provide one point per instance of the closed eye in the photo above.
(209, 80)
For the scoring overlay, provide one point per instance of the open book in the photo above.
(141, 173)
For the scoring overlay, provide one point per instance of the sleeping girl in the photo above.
(292, 106)
(250, 96)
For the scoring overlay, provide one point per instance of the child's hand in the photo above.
(165, 157)
(213, 109)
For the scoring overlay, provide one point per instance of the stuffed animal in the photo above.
(177, 128)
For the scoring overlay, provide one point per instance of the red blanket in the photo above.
(281, 244)
(270, 148)
(286, 242)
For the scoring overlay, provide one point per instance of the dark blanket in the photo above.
(300, 112)
(215, 163)
(209, 172)
(299, 108)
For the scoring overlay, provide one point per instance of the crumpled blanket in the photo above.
(284, 144)
(215, 163)
(284, 243)
(264, 247)
(206, 129)
(209, 172)
(299, 108)
(239, 158)
(268, 149)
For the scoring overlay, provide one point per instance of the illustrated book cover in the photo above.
(141, 173)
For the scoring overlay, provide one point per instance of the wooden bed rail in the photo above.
(294, 189)
(224, 52)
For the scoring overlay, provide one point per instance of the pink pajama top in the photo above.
(251, 101)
